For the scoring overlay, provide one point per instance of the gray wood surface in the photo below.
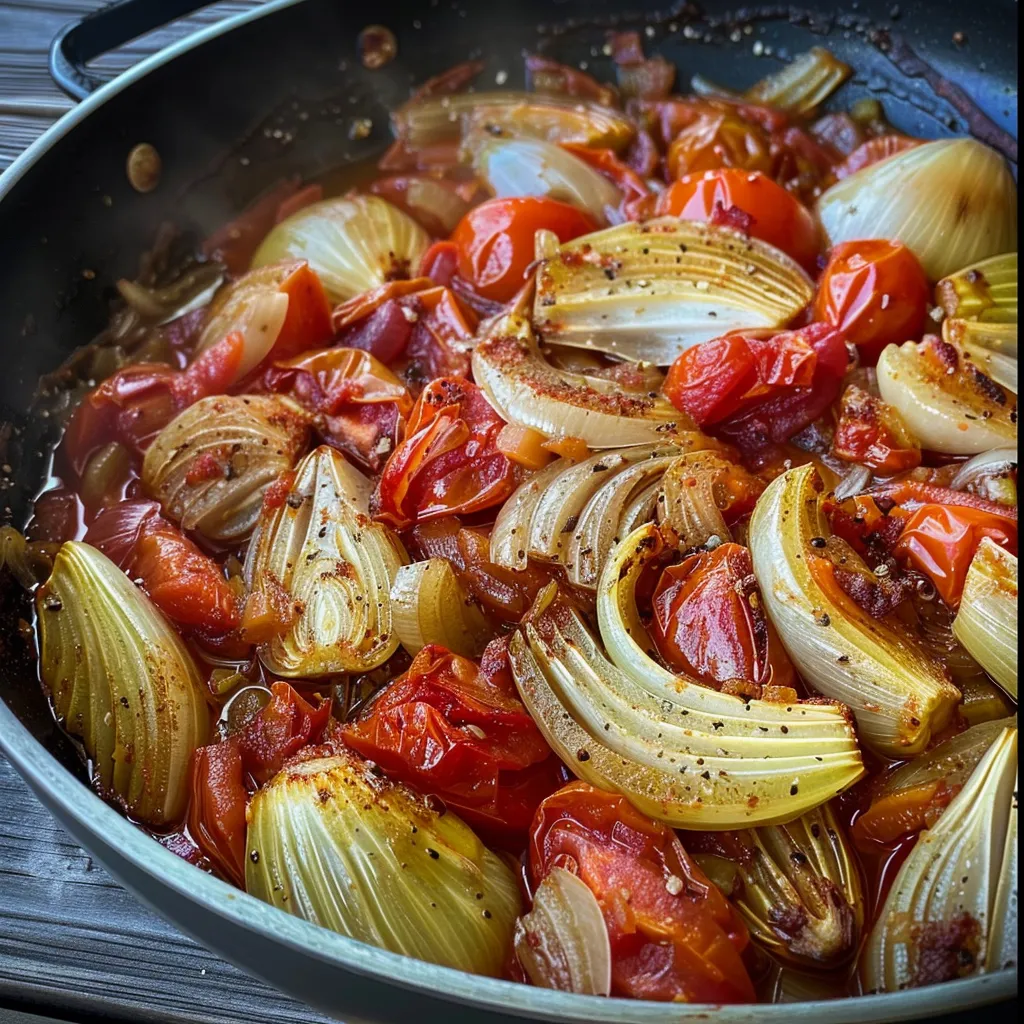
(73, 943)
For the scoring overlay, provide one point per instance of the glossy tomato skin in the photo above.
(495, 241)
(871, 433)
(941, 540)
(458, 732)
(759, 388)
(216, 812)
(673, 935)
(449, 462)
(875, 292)
(708, 623)
(775, 216)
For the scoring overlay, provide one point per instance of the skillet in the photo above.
(272, 93)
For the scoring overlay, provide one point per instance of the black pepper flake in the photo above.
(254, 856)
(818, 542)
(824, 619)
(434, 855)
(487, 915)
(705, 775)
(582, 755)
(794, 789)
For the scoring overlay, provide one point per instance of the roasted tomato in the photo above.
(216, 812)
(448, 462)
(900, 813)
(941, 540)
(637, 198)
(136, 403)
(460, 733)
(715, 140)
(708, 623)
(495, 241)
(184, 583)
(872, 151)
(771, 213)
(757, 388)
(673, 935)
(873, 434)
(504, 593)
(875, 292)
(359, 404)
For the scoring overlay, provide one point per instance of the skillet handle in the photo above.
(104, 30)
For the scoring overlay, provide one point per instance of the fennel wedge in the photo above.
(646, 291)
(321, 571)
(681, 752)
(123, 681)
(333, 842)
(938, 920)
(527, 390)
(899, 693)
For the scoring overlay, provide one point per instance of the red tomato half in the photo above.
(448, 462)
(674, 936)
(941, 540)
(774, 215)
(708, 622)
(756, 388)
(451, 730)
(875, 292)
(496, 241)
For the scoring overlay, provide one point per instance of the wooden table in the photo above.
(73, 943)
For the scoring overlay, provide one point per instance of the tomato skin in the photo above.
(448, 462)
(941, 540)
(872, 433)
(716, 140)
(759, 388)
(706, 624)
(495, 241)
(879, 148)
(308, 322)
(900, 813)
(216, 813)
(424, 729)
(637, 198)
(776, 217)
(279, 730)
(673, 935)
(182, 581)
(875, 292)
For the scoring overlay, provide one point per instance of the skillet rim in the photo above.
(56, 785)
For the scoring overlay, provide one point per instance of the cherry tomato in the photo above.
(448, 462)
(495, 241)
(462, 734)
(216, 813)
(941, 540)
(673, 935)
(708, 622)
(872, 433)
(359, 404)
(184, 583)
(757, 388)
(914, 493)
(505, 594)
(279, 730)
(875, 292)
(775, 216)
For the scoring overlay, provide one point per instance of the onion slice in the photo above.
(319, 556)
(682, 753)
(646, 291)
(899, 692)
(986, 622)
(122, 681)
(212, 464)
(562, 943)
(937, 921)
(431, 606)
(803, 84)
(527, 390)
(333, 842)
(985, 291)
(952, 202)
